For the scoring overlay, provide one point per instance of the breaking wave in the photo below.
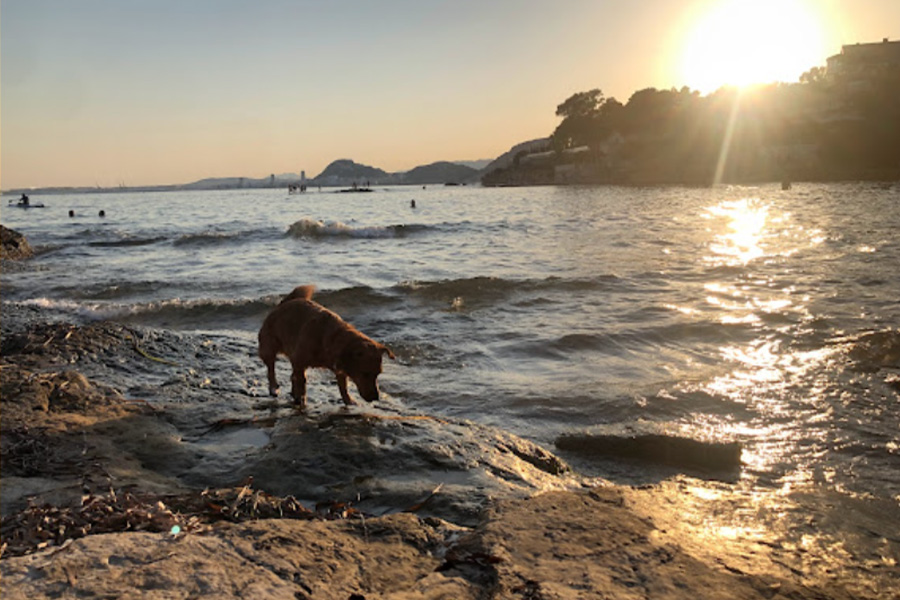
(127, 242)
(241, 314)
(310, 228)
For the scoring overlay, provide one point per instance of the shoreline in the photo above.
(555, 535)
(887, 177)
(372, 502)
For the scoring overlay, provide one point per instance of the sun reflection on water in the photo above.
(745, 229)
(780, 375)
(751, 245)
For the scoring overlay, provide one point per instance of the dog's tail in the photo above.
(301, 292)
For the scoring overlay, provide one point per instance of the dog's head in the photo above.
(361, 361)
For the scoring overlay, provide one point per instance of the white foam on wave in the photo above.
(317, 229)
(88, 311)
(169, 311)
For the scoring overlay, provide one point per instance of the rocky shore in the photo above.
(196, 487)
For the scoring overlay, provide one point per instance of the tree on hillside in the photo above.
(581, 104)
(581, 119)
(813, 76)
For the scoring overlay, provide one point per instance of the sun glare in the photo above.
(743, 42)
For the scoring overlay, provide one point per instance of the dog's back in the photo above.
(283, 325)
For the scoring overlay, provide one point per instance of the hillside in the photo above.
(346, 172)
(440, 172)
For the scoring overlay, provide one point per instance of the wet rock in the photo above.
(13, 245)
(61, 426)
(196, 435)
(383, 461)
(876, 350)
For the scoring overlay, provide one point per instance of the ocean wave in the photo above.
(486, 289)
(112, 291)
(310, 228)
(90, 311)
(624, 342)
(207, 238)
(240, 314)
(126, 242)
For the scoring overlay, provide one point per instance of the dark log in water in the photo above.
(656, 448)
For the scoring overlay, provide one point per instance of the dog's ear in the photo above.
(387, 351)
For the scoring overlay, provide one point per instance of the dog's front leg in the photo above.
(298, 387)
(342, 386)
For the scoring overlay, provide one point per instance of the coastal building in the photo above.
(861, 64)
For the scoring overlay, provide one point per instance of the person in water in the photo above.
(24, 200)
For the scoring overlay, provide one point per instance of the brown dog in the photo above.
(310, 335)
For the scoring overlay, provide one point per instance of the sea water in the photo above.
(750, 314)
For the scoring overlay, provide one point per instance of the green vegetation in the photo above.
(822, 128)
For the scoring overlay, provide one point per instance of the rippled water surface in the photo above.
(732, 313)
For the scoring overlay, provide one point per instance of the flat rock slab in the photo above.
(61, 421)
(557, 545)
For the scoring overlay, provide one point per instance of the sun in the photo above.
(744, 42)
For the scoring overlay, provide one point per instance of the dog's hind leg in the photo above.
(269, 360)
(298, 385)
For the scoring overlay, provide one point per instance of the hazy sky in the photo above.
(104, 92)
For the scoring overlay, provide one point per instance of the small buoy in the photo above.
(71, 213)
(102, 213)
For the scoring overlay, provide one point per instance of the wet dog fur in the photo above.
(310, 335)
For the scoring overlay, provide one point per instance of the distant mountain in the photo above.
(440, 172)
(347, 172)
(227, 183)
(343, 172)
(478, 165)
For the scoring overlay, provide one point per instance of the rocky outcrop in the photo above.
(13, 245)
(379, 458)
(508, 158)
(105, 495)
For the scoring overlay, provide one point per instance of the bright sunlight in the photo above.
(743, 42)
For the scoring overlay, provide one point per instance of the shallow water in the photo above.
(752, 314)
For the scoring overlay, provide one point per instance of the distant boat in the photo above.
(15, 204)
(354, 189)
